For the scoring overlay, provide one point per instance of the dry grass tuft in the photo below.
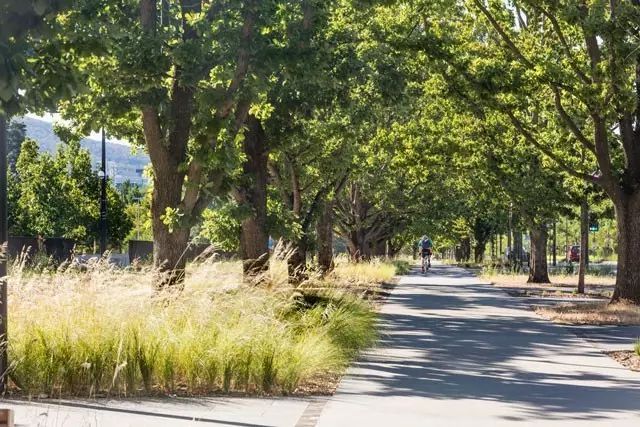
(98, 330)
(374, 272)
(597, 313)
(568, 281)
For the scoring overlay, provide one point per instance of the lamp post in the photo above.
(4, 237)
(103, 196)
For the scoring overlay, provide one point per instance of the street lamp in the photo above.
(4, 240)
(103, 196)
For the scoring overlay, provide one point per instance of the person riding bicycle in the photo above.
(426, 249)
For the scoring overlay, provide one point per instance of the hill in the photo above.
(122, 164)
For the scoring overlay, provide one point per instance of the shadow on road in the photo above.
(445, 336)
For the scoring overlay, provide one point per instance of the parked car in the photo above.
(573, 253)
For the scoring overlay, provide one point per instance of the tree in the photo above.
(58, 196)
(587, 64)
(177, 85)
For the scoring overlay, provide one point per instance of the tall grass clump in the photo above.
(105, 331)
(375, 271)
(637, 347)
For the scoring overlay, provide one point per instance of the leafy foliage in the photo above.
(58, 196)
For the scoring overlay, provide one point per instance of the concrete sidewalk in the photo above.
(459, 353)
(178, 412)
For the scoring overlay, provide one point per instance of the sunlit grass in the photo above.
(105, 331)
(597, 313)
(570, 281)
(376, 271)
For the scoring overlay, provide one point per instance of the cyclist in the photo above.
(426, 247)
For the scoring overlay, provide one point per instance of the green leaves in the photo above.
(59, 196)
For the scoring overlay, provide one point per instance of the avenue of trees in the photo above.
(375, 121)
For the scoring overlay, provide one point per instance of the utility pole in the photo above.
(555, 243)
(103, 197)
(4, 237)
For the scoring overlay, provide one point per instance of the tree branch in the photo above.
(571, 123)
(503, 34)
(533, 141)
(242, 63)
(563, 41)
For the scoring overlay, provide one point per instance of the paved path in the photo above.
(459, 353)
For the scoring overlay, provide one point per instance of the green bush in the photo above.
(402, 267)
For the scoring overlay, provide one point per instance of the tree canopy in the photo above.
(376, 121)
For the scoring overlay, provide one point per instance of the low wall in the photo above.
(142, 250)
(60, 249)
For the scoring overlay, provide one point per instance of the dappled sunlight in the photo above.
(447, 337)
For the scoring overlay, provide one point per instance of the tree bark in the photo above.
(254, 237)
(538, 272)
(324, 233)
(297, 262)
(584, 244)
(465, 249)
(518, 250)
(169, 242)
(479, 249)
(482, 233)
(628, 220)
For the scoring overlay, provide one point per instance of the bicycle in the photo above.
(426, 256)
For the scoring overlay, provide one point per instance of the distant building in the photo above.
(120, 173)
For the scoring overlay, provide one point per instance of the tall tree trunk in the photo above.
(324, 232)
(169, 241)
(479, 250)
(584, 244)
(297, 262)
(518, 250)
(353, 247)
(168, 150)
(628, 220)
(538, 272)
(493, 247)
(254, 238)
(379, 248)
(465, 249)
